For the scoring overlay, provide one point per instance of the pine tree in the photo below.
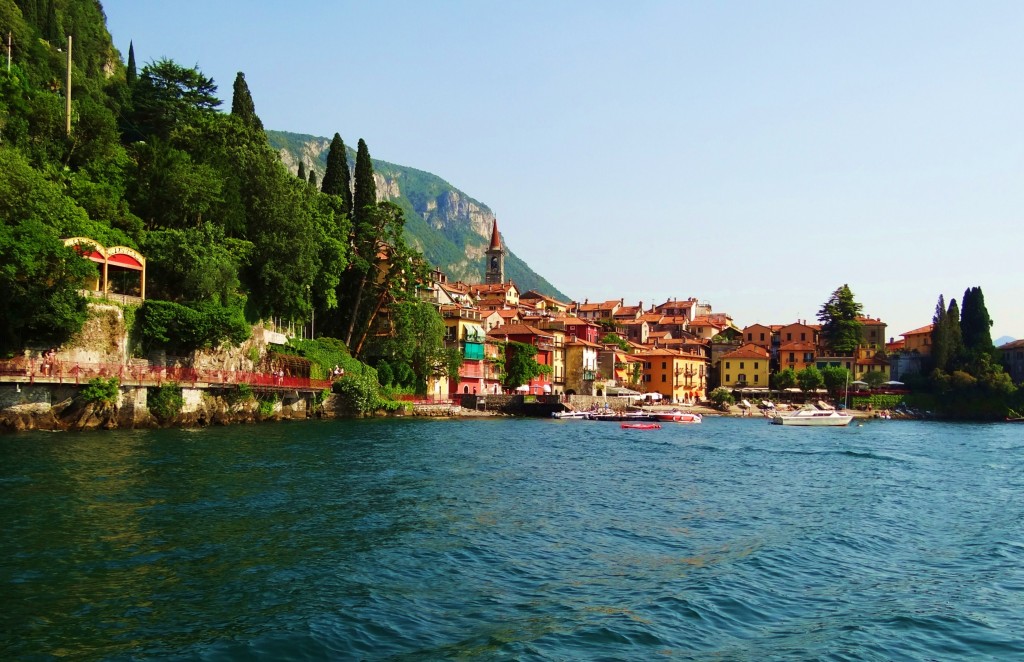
(365, 195)
(302, 171)
(940, 337)
(242, 105)
(131, 75)
(336, 179)
(312, 177)
(840, 327)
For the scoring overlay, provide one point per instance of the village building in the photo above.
(744, 367)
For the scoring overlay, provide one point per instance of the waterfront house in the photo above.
(1012, 354)
(872, 332)
(581, 368)
(677, 376)
(744, 367)
(796, 355)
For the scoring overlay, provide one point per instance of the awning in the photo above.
(475, 333)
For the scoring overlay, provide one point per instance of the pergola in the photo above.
(122, 269)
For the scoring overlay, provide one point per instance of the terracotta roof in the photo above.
(919, 332)
(658, 335)
(863, 319)
(585, 343)
(1013, 344)
(748, 351)
(517, 330)
(797, 346)
(507, 313)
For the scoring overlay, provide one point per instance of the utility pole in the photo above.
(68, 101)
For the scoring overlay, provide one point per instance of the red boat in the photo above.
(641, 426)
(676, 416)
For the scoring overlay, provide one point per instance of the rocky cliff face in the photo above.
(450, 228)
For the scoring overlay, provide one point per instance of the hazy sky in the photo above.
(756, 155)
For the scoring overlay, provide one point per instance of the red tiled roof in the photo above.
(919, 332)
(517, 330)
(797, 346)
(748, 351)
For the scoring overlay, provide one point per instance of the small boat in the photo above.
(570, 415)
(813, 417)
(641, 426)
(676, 416)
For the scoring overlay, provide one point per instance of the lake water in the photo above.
(515, 539)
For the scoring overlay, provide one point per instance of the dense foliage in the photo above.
(152, 162)
(840, 327)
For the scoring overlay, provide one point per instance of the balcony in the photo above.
(589, 375)
(545, 345)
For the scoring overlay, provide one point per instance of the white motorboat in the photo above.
(569, 415)
(813, 417)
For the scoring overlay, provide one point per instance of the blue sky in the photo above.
(754, 155)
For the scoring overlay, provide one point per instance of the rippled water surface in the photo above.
(515, 539)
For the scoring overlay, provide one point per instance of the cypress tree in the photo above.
(975, 324)
(940, 336)
(365, 194)
(953, 337)
(312, 177)
(337, 180)
(302, 171)
(242, 105)
(131, 74)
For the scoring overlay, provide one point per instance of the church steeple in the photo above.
(494, 270)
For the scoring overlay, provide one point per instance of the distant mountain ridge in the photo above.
(451, 229)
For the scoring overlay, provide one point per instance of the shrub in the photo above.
(172, 326)
(165, 402)
(267, 407)
(358, 394)
(102, 391)
(721, 397)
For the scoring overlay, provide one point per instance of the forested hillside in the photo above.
(450, 228)
(152, 161)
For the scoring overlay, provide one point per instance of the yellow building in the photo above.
(745, 367)
(677, 376)
(918, 340)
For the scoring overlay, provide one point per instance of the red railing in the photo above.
(59, 372)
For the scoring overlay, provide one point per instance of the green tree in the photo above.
(615, 339)
(975, 328)
(336, 179)
(940, 352)
(242, 105)
(414, 336)
(312, 178)
(721, 397)
(168, 95)
(810, 379)
(364, 198)
(520, 364)
(784, 379)
(836, 380)
(195, 264)
(840, 327)
(301, 174)
(953, 337)
(131, 74)
(874, 379)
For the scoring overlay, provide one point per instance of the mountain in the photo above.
(451, 229)
(999, 342)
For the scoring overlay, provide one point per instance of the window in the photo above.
(647, 378)
(792, 357)
(750, 336)
(741, 365)
(663, 365)
(755, 378)
(762, 337)
(789, 336)
(803, 336)
(727, 378)
(662, 377)
(727, 365)
(756, 365)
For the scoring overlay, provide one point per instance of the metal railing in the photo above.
(60, 372)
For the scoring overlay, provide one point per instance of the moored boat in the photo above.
(570, 415)
(676, 416)
(641, 426)
(813, 417)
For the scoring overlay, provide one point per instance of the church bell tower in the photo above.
(494, 272)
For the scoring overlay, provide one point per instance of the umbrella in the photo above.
(892, 383)
(547, 388)
(523, 388)
(858, 383)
